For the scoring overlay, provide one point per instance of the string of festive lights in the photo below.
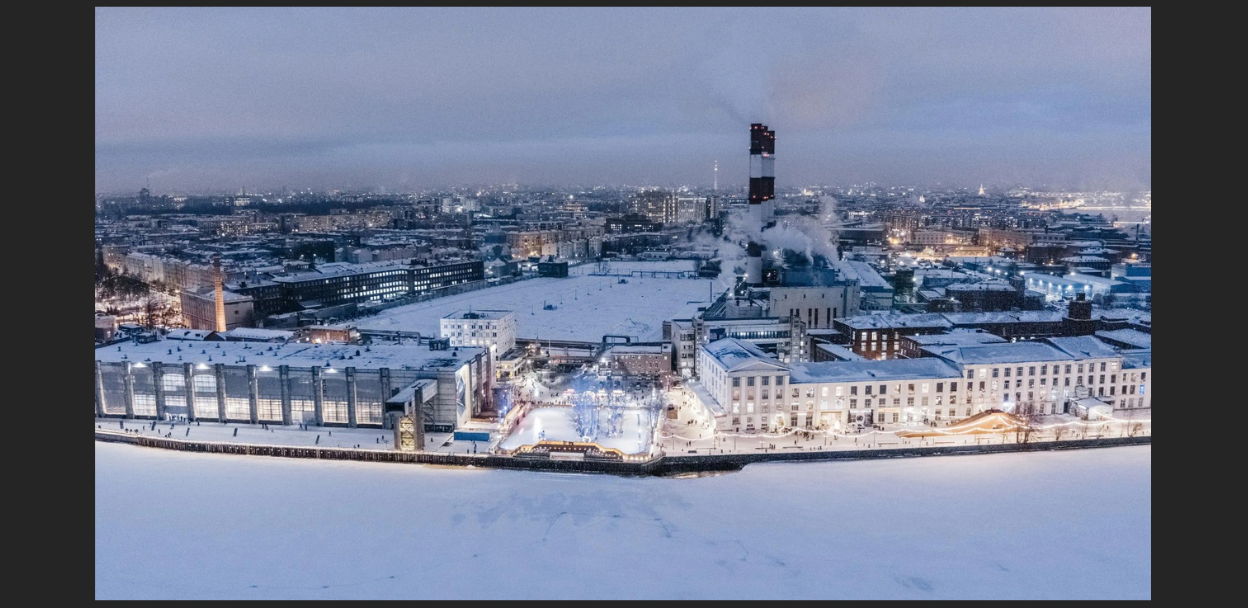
(972, 428)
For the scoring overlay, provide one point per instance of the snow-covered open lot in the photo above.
(1045, 525)
(586, 306)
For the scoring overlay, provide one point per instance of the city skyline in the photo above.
(402, 99)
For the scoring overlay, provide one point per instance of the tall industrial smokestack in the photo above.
(762, 173)
(762, 191)
(753, 264)
(218, 285)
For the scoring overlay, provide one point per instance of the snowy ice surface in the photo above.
(1045, 525)
(587, 306)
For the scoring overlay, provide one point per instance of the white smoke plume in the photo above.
(808, 235)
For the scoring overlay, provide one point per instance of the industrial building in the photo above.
(782, 296)
(1060, 287)
(199, 309)
(290, 383)
(986, 296)
(340, 283)
(875, 293)
(816, 305)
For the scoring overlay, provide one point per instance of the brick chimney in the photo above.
(218, 284)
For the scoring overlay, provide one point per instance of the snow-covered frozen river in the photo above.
(1046, 525)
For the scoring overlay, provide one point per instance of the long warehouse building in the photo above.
(290, 383)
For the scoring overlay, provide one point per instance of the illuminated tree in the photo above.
(1028, 420)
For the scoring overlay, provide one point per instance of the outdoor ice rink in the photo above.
(1043, 525)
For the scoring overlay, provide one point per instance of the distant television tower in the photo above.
(715, 187)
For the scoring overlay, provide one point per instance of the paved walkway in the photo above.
(241, 432)
(692, 433)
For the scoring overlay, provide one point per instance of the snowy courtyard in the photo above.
(1045, 525)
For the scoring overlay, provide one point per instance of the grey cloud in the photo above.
(618, 95)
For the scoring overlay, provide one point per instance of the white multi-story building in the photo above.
(1032, 377)
(493, 329)
(684, 337)
(743, 383)
(748, 390)
(1137, 382)
(1119, 376)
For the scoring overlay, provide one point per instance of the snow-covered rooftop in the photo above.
(638, 349)
(1125, 314)
(839, 352)
(868, 371)
(1012, 352)
(1133, 337)
(479, 314)
(892, 320)
(736, 354)
(1074, 279)
(257, 333)
(1137, 359)
(188, 334)
(586, 307)
(984, 286)
(1083, 347)
(956, 337)
(868, 277)
(210, 293)
(341, 269)
(1018, 316)
(297, 354)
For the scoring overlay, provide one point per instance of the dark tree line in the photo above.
(110, 284)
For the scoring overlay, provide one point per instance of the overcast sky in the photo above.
(204, 99)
